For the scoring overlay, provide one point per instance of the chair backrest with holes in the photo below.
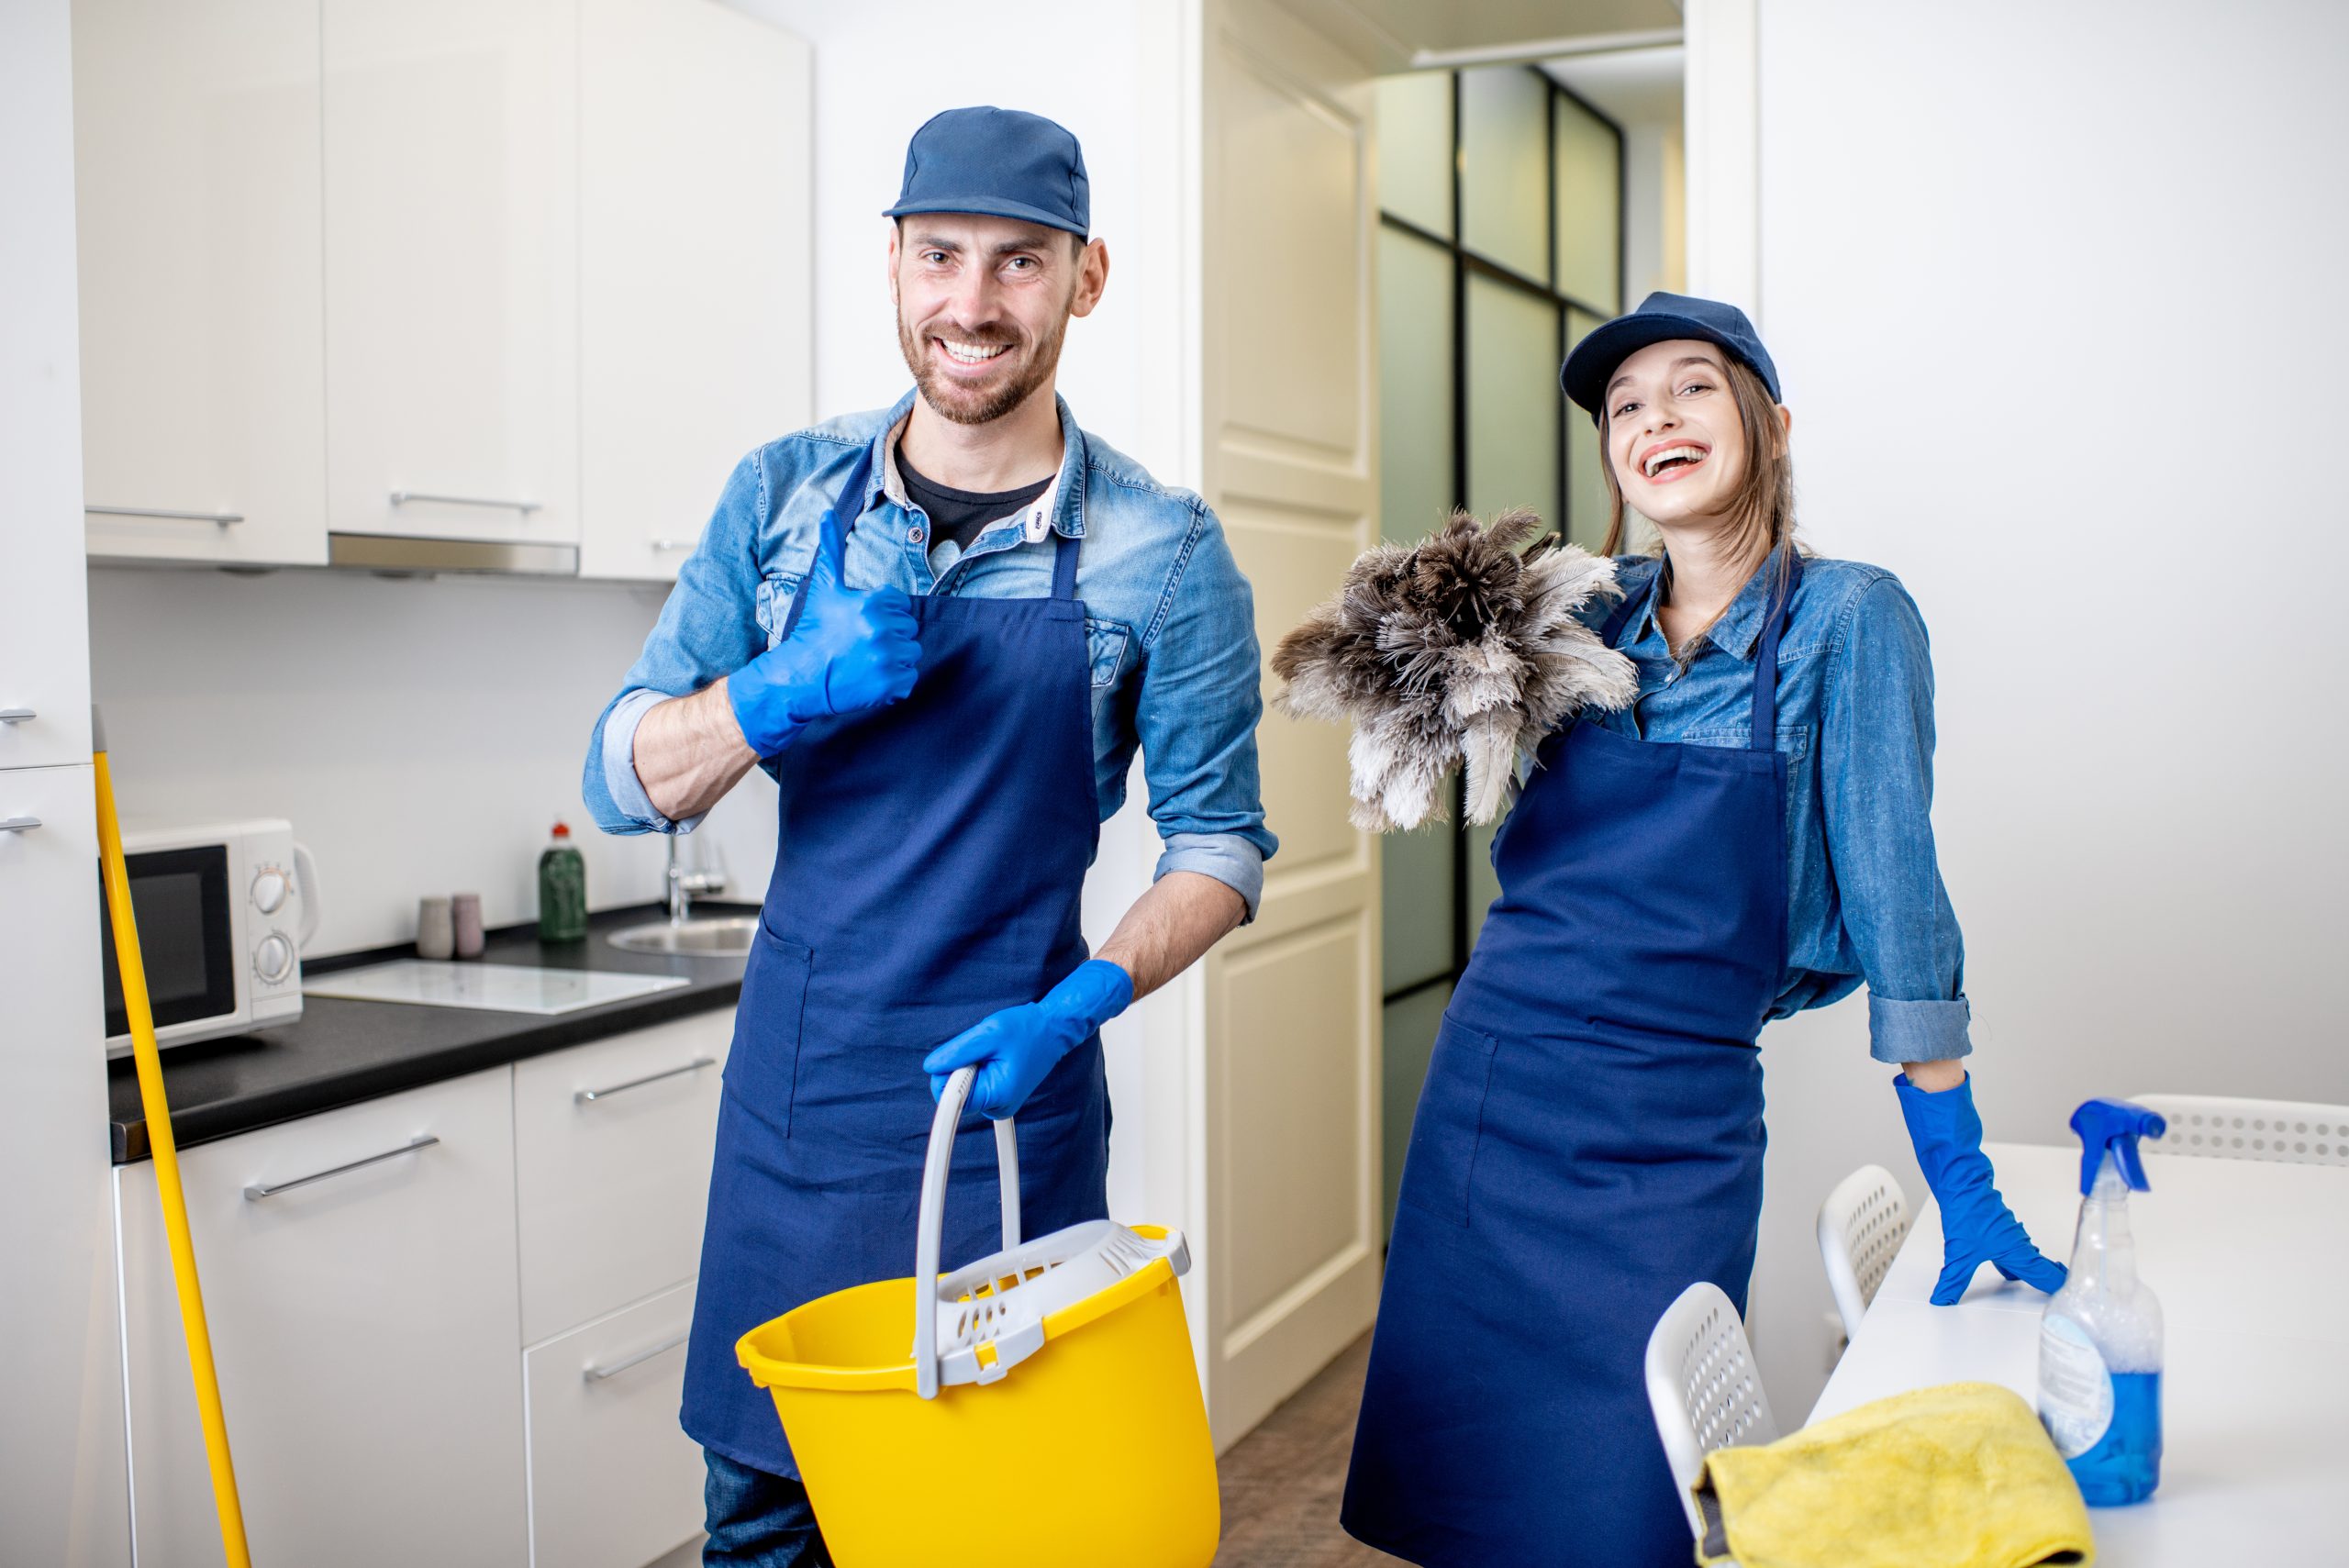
(2296, 1132)
(1703, 1386)
(1861, 1227)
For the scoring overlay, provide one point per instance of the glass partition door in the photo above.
(1500, 245)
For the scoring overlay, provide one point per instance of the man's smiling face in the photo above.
(983, 303)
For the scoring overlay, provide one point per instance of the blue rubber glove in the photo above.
(849, 652)
(1015, 1048)
(1976, 1226)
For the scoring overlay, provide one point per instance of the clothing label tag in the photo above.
(2075, 1388)
(1038, 525)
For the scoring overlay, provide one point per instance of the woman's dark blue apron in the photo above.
(928, 871)
(1587, 1145)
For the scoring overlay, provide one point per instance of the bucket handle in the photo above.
(930, 1237)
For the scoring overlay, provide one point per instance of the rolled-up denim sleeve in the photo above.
(1196, 716)
(707, 629)
(1877, 792)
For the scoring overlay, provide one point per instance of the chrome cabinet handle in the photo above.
(18, 824)
(402, 497)
(16, 715)
(597, 1374)
(589, 1097)
(223, 518)
(665, 545)
(257, 1192)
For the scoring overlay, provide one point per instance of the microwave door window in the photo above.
(181, 897)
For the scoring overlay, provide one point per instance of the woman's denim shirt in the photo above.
(1169, 625)
(1856, 722)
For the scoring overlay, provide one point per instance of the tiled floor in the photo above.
(1282, 1482)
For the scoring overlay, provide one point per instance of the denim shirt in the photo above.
(1856, 722)
(1169, 624)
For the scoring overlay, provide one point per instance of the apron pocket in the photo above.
(1449, 1124)
(764, 1068)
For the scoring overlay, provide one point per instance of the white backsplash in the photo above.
(420, 734)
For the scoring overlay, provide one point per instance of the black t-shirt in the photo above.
(961, 515)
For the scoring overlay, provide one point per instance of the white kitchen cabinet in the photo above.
(452, 267)
(62, 1482)
(695, 320)
(612, 1145)
(197, 161)
(363, 1312)
(615, 1483)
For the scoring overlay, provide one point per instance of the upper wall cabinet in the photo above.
(197, 188)
(505, 272)
(693, 149)
(451, 269)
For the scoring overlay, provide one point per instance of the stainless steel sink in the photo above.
(727, 936)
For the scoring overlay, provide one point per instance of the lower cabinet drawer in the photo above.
(615, 1483)
(611, 1154)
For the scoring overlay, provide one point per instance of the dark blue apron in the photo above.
(1587, 1145)
(931, 858)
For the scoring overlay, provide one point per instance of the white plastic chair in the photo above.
(1861, 1227)
(2297, 1133)
(1704, 1388)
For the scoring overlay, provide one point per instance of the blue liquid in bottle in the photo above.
(2126, 1462)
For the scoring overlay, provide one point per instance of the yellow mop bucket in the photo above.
(1049, 1414)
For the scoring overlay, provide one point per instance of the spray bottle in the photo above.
(2100, 1341)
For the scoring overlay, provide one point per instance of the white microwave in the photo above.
(223, 910)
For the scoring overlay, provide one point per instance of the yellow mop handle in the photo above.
(167, 1175)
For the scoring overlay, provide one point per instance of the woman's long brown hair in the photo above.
(1762, 510)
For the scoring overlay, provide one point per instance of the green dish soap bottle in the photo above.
(562, 890)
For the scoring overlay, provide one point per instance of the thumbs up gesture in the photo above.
(850, 651)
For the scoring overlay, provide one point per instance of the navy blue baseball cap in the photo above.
(1660, 319)
(1000, 163)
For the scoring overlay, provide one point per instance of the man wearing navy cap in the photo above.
(944, 628)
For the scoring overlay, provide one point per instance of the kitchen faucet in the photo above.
(683, 884)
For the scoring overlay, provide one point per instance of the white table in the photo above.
(2251, 1261)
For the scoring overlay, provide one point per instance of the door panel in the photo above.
(452, 267)
(694, 121)
(363, 1326)
(1289, 415)
(196, 151)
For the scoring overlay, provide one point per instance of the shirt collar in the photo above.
(1060, 506)
(1739, 630)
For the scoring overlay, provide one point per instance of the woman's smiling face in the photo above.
(1673, 432)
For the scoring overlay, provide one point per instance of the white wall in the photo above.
(2050, 292)
(421, 735)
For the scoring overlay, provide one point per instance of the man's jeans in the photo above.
(757, 1520)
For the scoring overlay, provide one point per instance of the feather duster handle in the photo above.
(1456, 652)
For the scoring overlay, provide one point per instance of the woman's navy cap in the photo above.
(1660, 319)
(998, 163)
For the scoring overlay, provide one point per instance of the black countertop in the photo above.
(341, 1051)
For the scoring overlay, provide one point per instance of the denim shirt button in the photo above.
(913, 534)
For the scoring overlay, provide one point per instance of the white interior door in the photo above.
(1291, 1159)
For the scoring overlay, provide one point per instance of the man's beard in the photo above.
(977, 405)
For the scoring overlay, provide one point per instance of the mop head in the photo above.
(1457, 650)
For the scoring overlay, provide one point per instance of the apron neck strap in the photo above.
(833, 538)
(1765, 658)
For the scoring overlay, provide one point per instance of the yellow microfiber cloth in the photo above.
(1959, 1476)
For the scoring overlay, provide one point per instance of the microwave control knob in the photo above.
(270, 889)
(273, 957)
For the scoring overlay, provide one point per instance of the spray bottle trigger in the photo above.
(2115, 1125)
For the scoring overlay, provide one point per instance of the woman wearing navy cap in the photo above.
(1749, 838)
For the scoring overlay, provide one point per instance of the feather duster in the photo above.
(1456, 651)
